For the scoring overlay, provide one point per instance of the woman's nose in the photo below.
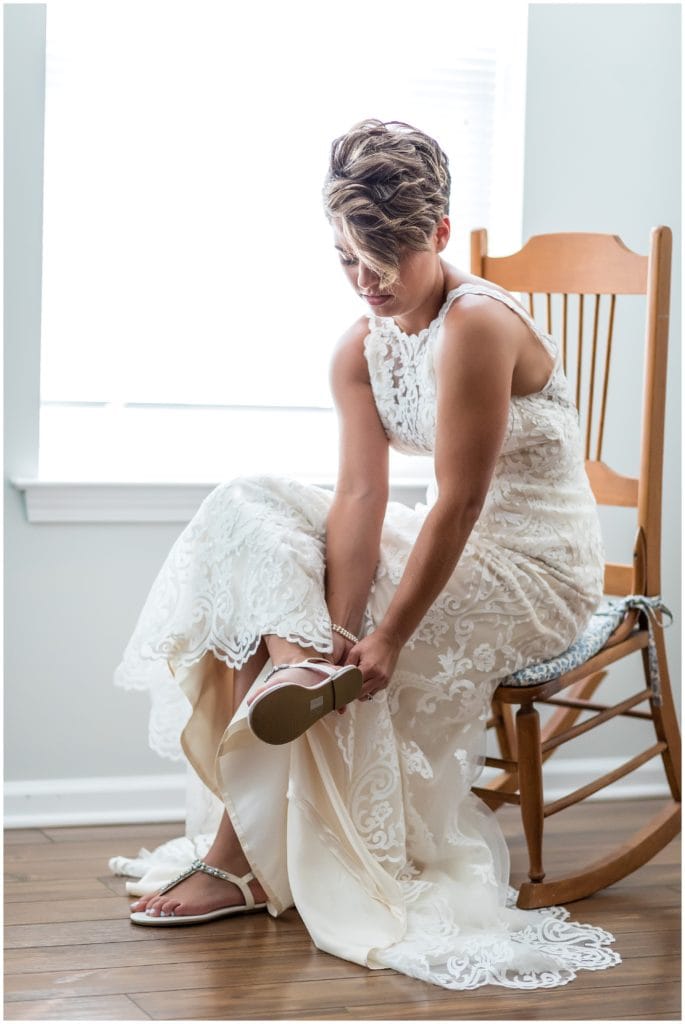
(367, 279)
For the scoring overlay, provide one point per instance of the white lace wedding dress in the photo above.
(366, 823)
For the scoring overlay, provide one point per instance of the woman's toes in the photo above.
(169, 908)
(153, 907)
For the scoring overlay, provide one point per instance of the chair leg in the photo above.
(665, 719)
(530, 786)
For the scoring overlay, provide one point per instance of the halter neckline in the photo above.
(437, 319)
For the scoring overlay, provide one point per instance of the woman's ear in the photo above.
(442, 234)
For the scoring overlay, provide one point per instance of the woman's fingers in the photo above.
(353, 656)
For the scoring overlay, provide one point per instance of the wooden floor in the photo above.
(71, 952)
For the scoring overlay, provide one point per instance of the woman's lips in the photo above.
(376, 300)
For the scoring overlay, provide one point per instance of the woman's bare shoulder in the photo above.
(355, 333)
(454, 279)
(348, 354)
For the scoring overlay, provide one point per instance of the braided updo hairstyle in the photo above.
(389, 184)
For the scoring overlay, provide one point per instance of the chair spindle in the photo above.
(579, 359)
(591, 393)
(605, 382)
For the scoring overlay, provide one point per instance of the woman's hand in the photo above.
(376, 655)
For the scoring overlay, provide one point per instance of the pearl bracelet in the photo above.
(345, 632)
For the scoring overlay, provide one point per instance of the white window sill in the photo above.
(122, 464)
(66, 501)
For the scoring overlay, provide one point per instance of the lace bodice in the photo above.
(539, 503)
(402, 374)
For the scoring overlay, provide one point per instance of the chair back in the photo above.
(585, 273)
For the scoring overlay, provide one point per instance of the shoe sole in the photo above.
(140, 917)
(287, 710)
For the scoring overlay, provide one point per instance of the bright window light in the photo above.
(188, 265)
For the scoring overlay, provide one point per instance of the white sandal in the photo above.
(142, 916)
(284, 712)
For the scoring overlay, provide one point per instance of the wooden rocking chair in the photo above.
(597, 265)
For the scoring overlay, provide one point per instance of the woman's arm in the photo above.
(353, 527)
(474, 367)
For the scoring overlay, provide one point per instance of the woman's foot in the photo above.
(201, 893)
(299, 676)
(295, 698)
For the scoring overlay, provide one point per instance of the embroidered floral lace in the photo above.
(377, 803)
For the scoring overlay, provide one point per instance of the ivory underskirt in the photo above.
(293, 811)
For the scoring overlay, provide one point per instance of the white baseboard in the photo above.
(114, 800)
(131, 799)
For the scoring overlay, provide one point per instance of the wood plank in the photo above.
(117, 885)
(657, 942)
(397, 997)
(76, 933)
(73, 933)
(332, 1013)
(237, 969)
(16, 836)
(103, 848)
(568, 1002)
(167, 949)
(86, 1008)
(565, 1003)
(294, 1000)
(53, 911)
(55, 890)
(652, 1016)
(138, 835)
(72, 867)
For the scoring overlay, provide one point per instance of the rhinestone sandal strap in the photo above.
(228, 877)
(199, 865)
(179, 878)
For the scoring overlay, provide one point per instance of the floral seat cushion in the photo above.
(602, 624)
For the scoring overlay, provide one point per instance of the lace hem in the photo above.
(548, 951)
(250, 562)
(169, 707)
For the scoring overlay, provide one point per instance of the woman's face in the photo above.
(418, 272)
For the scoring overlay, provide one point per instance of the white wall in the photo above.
(72, 593)
(602, 153)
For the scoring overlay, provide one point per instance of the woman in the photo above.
(364, 818)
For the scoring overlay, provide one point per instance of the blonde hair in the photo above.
(389, 184)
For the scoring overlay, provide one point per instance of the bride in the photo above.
(340, 651)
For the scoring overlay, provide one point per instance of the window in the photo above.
(191, 295)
